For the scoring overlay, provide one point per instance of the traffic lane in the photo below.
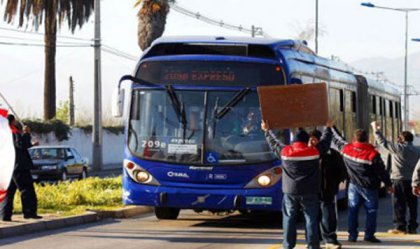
(201, 230)
(190, 231)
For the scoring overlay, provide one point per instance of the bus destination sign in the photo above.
(199, 75)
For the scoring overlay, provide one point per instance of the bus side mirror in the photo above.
(118, 103)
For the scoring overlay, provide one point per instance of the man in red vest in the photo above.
(366, 171)
(300, 182)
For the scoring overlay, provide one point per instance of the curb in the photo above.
(88, 217)
(124, 213)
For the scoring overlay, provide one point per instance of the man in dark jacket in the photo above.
(300, 182)
(404, 157)
(366, 171)
(333, 172)
(21, 180)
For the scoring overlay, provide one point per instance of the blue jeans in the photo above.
(328, 221)
(310, 207)
(369, 198)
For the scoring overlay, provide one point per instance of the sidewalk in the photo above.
(20, 226)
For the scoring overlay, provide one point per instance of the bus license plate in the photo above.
(257, 200)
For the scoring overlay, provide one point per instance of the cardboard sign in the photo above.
(294, 106)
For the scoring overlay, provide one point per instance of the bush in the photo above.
(116, 130)
(78, 196)
(60, 129)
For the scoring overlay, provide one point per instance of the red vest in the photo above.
(363, 153)
(299, 151)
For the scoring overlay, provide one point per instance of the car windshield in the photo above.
(204, 127)
(47, 153)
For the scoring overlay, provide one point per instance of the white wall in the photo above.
(112, 145)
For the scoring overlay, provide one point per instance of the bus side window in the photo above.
(381, 106)
(374, 109)
(353, 102)
(391, 110)
(341, 100)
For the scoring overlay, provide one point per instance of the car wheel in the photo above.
(84, 174)
(64, 176)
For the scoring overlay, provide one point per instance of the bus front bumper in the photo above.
(202, 198)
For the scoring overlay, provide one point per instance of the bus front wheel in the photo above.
(165, 213)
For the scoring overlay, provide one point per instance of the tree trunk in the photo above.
(151, 24)
(50, 40)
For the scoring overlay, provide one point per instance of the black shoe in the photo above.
(35, 217)
(7, 219)
(372, 240)
(412, 231)
(352, 239)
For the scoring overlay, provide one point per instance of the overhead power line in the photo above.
(43, 34)
(220, 23)
(35, 42)
(119, 52)
(43, 45)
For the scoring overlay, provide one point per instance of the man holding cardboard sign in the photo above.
(301, 106)
(300, 182)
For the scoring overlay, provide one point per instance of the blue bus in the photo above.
(193, 137)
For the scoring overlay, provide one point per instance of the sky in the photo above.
(349, 31)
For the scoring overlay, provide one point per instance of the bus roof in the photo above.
(223, 39)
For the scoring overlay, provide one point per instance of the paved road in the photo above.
(193, 231)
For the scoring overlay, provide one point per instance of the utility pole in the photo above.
(97, 98)
(71, 102)
(256, 31)
(316, 26)
(406, 100)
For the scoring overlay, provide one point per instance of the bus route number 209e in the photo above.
(153, 144)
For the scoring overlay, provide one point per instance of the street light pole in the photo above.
(406, 11)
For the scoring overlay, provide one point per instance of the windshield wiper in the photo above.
(179, 108)
(234, 101)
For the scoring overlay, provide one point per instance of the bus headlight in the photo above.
(266, 179)
(138, 174)
(142, 176)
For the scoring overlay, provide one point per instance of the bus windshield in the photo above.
(187, 127)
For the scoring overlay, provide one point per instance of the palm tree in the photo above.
(51, 13)
(151, 20)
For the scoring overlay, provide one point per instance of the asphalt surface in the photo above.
(195, 231)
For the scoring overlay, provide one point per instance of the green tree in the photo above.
(51, 13)
(63, 111)
(151, 20)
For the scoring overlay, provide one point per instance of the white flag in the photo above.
(7, 154)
